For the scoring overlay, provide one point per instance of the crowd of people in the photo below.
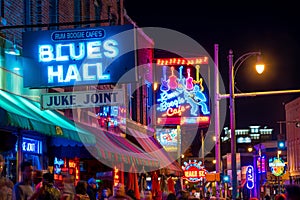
(36, 185)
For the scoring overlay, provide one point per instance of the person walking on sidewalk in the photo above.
(6, 185)
(23, 189)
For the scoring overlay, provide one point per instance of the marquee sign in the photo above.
(82, 99)
(98, 55)
(182, 97)
(194, 171)
(277, 165)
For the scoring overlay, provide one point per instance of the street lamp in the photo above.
(231, 96)
(233, 67)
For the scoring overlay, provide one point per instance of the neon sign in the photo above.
(277, 165)
(167, 137)
(261, 164)
(194, 171)
(31, 145)
(181, 99)
(116, 176)
(81, 56)
(250, 177)
(182, 61)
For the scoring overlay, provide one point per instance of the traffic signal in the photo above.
(281, 144)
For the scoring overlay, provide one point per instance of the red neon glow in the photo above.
(194, 173)
(182, 61)
(72, 164)
(189, 80)
(173, 80)
(183, 120)
(175, 111)
(116, 176)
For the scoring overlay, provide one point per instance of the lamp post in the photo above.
(218, 97)
(232, 73)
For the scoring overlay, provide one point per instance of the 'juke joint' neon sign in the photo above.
(181, 99)
(79, 56)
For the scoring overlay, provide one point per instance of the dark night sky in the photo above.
(242, 26)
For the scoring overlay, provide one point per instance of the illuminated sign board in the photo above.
(31, 145)
(242, 140)
(84, 99)
(116, 176)
(182, 61)
(250, 177)
(98, 55)
(168, 138)
(194, 171)
(261, 164)
(182, 97)
(59, 165)
(277, 165)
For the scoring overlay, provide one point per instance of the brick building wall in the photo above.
(23, 12)
(293, 137)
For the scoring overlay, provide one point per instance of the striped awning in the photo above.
(20, 112)
(115, 148)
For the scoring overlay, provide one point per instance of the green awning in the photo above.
(17, 111)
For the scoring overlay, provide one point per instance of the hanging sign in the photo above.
(194, 171)
(84, 99)
(182, 97)
(250, 177)
(277, 165)
(98, 55)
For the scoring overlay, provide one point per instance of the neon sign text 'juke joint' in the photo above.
(86, 50)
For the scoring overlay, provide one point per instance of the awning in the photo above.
(115, 148)
(20, 112)
(156, 150)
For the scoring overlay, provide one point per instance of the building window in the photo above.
(77, 11)
(53, 13)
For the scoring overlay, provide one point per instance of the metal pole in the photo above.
(232, 125)
(255, 176)
(259, 174)
(254, 94)
(202, 147)
(217, 117)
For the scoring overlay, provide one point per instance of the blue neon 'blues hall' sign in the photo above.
(98, 55)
